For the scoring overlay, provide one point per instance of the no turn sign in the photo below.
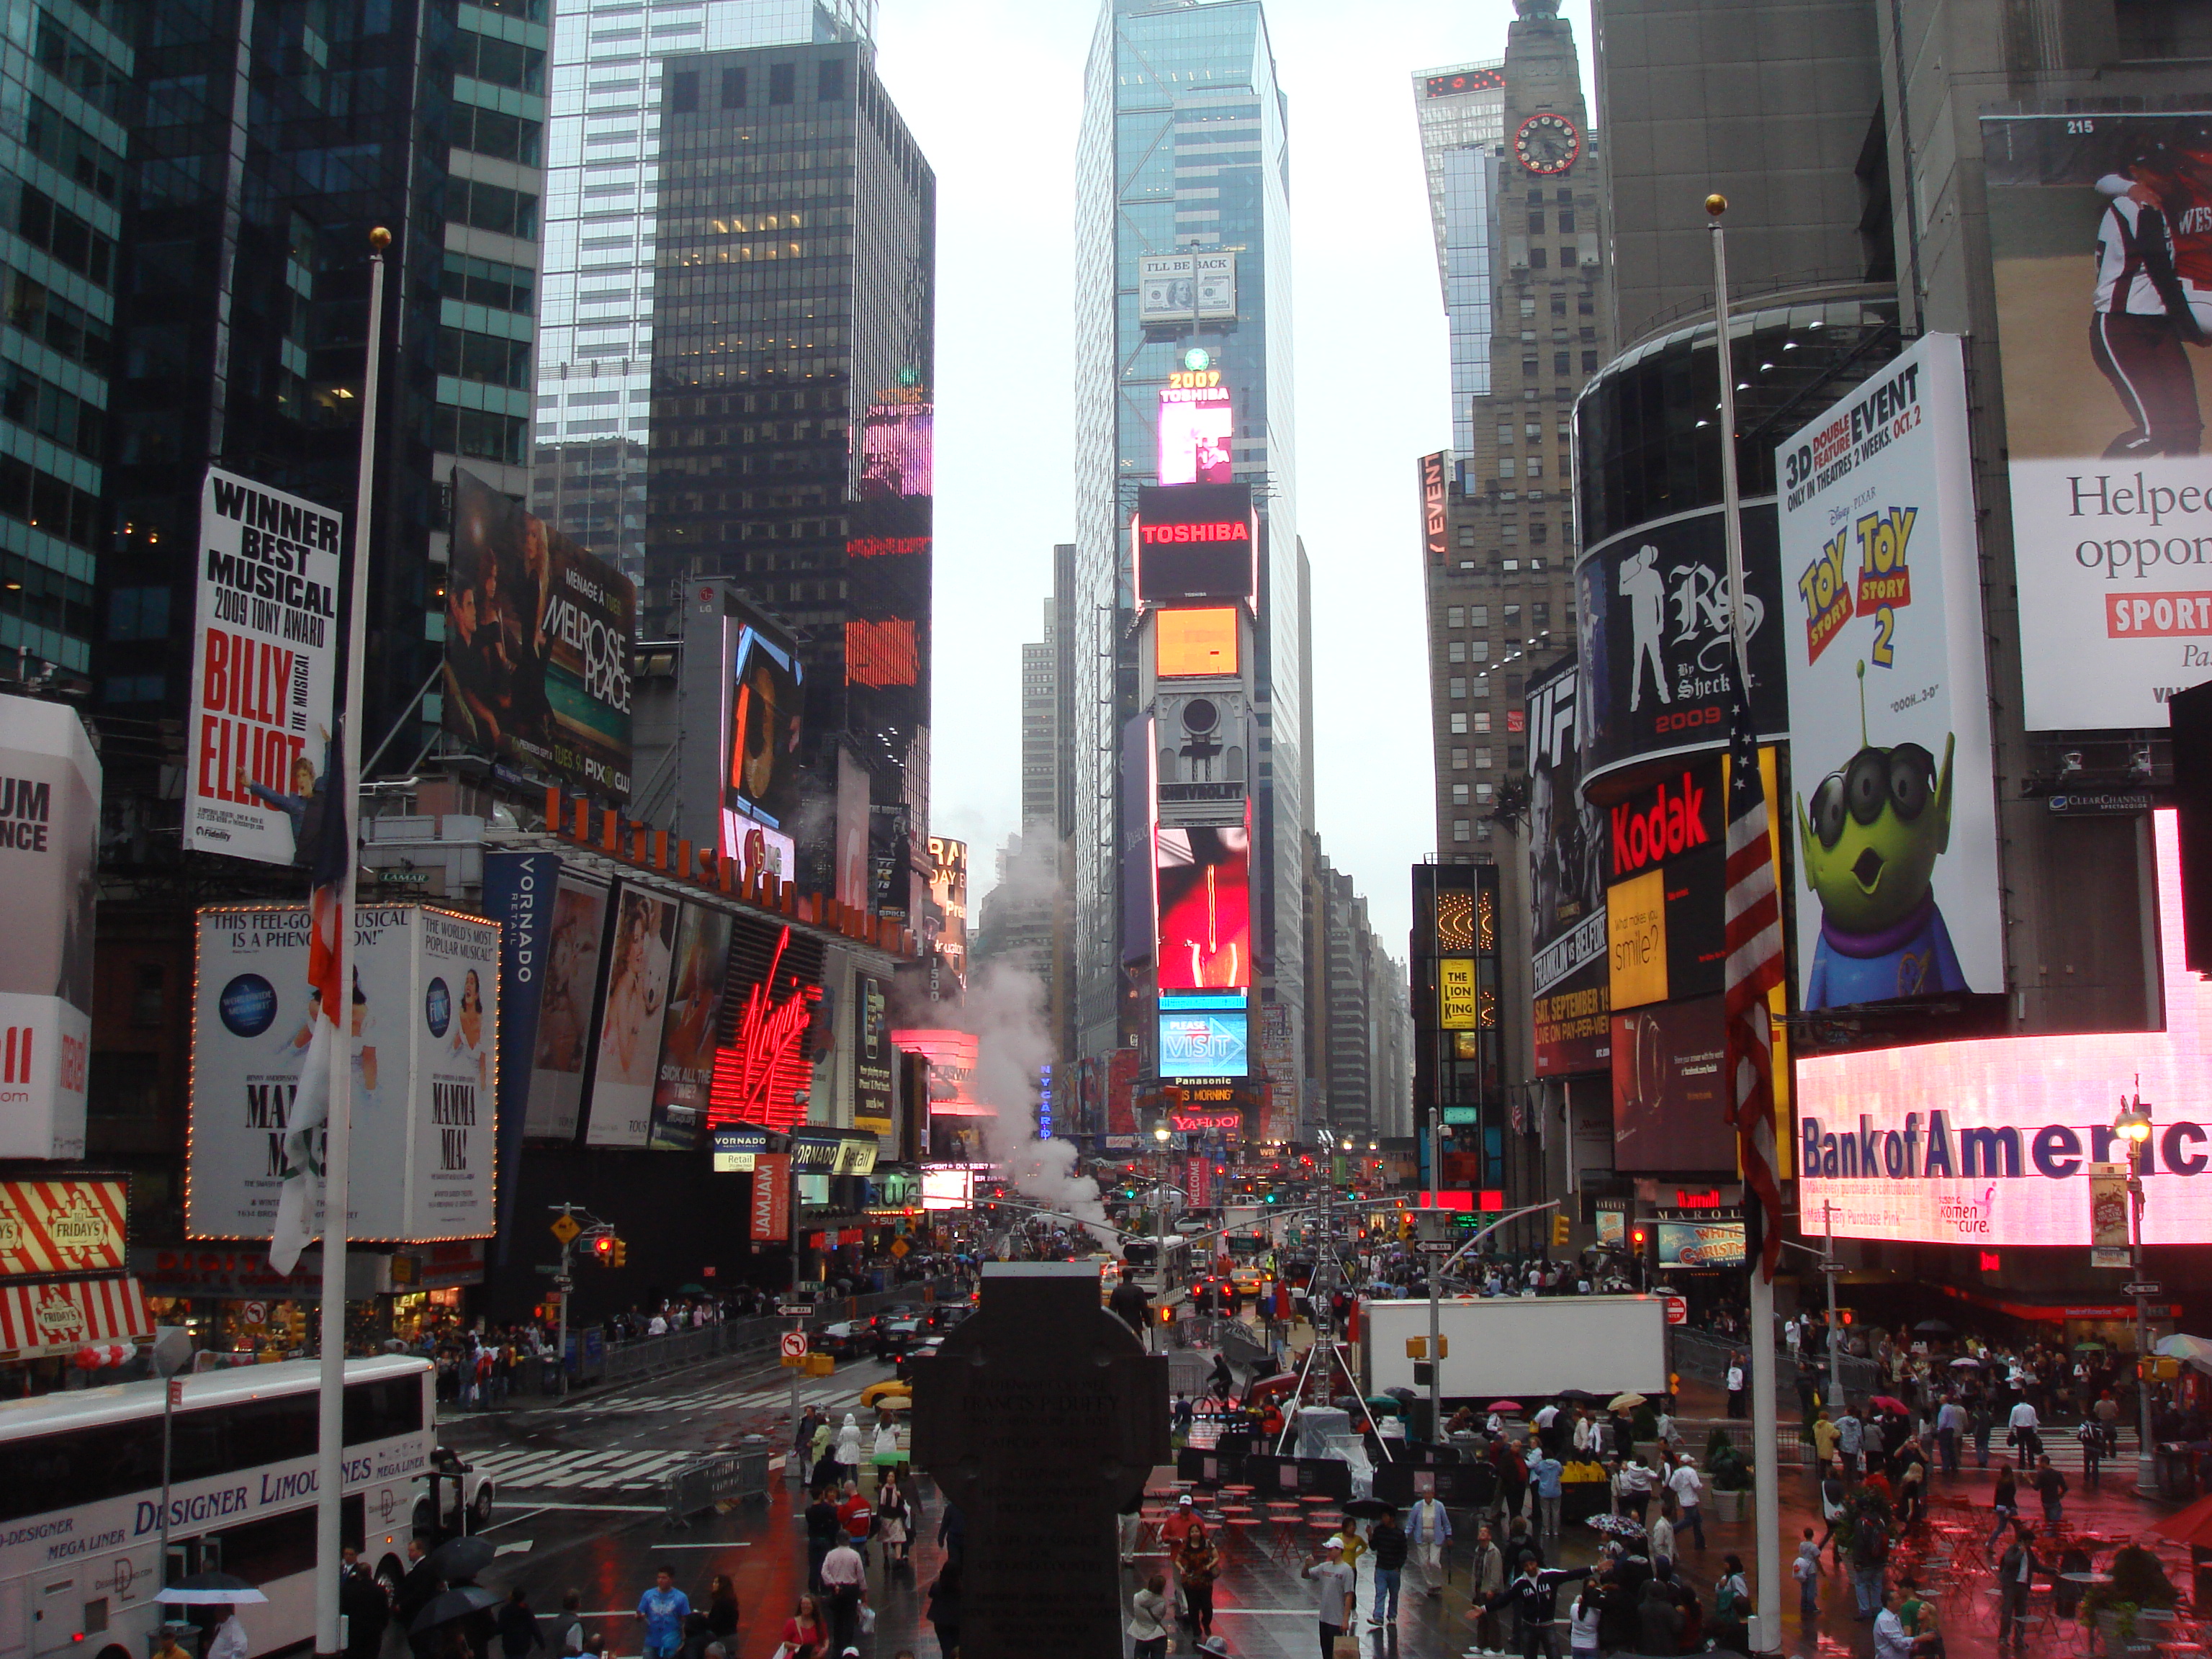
(1678, 1310)
(793, 1344)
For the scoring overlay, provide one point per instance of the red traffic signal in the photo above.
(603, 1248)
(1636, 1236)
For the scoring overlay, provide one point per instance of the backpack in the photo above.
(1728, 1597)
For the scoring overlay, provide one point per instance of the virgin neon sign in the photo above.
(765, 1076)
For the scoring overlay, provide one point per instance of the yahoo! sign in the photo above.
(1985, 1142)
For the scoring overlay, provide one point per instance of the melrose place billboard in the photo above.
(1990, 1142)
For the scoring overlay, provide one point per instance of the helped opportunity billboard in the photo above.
(50, 783)
(2101, 236)
(1895, 816)
(537, 643)
(1566, 886)
(264, 667)
(1991, 1142)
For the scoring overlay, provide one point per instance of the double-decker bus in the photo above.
(80, 1499)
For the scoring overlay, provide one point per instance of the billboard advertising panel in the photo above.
(1201, 1041)
(767, 699)
(1666, 858)
(1194, 640)
(1669, 1112)
(1655, 638)
(575, 940)
(1993, 1142)
(1566, 887)
(1195, 425)
(2103, 268)
(50, 782)
(875, 1061)
(1699, 1243)
(424, 1032)
(944, 924)
(1202, 889)
(521, 892)
(264, 667)
(1173, 287)
(764, 1074)
(697, 980)
(537, 645)
(625, 1054)
(1897, 847)
(74, 1225)
(1195, 541)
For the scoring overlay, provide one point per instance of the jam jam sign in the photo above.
(765, 1076)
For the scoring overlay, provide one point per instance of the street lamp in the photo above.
(2132, 1125)
(1160, 1214)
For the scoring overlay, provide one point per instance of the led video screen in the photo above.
(1203, 881)
(1199, 1043)
(1195, 432)
(1194, 642)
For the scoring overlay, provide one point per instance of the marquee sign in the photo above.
(70, 1227)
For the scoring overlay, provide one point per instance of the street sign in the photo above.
(2143, 1287)
(793, 1345)
(547, 1268)
(565, 1228)
(900, 1246)
(1437, 1246)
(1678, 1310)
(795, 1309)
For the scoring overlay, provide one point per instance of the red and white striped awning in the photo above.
(42, 1319)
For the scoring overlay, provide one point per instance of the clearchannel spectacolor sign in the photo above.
(1990, 1142)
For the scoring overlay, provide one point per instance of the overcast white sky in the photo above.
(993, 91)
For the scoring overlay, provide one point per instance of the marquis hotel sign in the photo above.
(1990, 1142)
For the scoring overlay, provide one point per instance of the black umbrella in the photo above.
(1582, 1396)
(1935, 1328)
(1367, 1509)
(460, 1559)
(452, 1604)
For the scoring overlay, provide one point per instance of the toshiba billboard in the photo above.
(1990, 1142)
(1195, 541)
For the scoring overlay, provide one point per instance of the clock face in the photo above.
(1547, 143)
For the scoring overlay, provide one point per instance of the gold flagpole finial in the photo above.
(1716, 204)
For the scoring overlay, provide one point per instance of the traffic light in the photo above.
(1636, 1239)
(1562, 1229)
(603, 1248)
(621, 1256)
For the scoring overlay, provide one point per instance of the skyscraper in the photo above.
(594, 380)
(1182, 268)
(792, 352)
(1461, 111)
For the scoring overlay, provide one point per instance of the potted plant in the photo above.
(1728, 1474)
(2139, 1586)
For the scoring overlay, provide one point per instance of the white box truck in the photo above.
(1523, 1348)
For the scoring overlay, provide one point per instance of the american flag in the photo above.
(1754, 968)
(330, 863)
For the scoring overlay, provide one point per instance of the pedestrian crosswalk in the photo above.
(525, 1468)
(741, 1395)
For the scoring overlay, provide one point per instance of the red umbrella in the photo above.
(1503, 1406)
(2191, 1526)
(1891, 1403)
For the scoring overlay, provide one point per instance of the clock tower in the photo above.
(1499, 561)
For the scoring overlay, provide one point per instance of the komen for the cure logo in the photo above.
(1970, 1216)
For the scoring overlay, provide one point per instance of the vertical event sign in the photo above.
(1894, 820)
(75, 1225)
(519, 892)
(2098, 251)
(626, 1053)
(566, 1004)
(875, 1065)
(537, 644)
(695, 990)
(1198, 1181)
(1566, 887)
(771, 1211)
(264, 667)
(49, 851)
(1457, 999)
(424, 1027)
(1435, 530)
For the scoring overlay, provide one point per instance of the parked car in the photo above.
(944, 1315)
(896, 1336)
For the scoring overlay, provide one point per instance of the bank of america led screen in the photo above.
(1203, 1042)
(1990, 1142)
(1203, 883)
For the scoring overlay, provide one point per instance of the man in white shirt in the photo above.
(1689, 1491)
(1428, 1530)
(2024, 1430)
(1335, 1591)
(1890, 1641)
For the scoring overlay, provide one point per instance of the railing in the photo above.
(1706, 1358)
(726, 1477)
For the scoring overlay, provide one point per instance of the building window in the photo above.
(1528, 305)
(1539, 531)
(1481, 686)
(505, 137)
(1528, 367)
(484, 357)
(503, 63)
(1585, 306)
(1454, 615)
(479, 433)
(733, 88)
(1560, 362)
(1538, 260)
(138, 613)
(1456, 651)
(1504, 432)
(1459, 794)
(1481, 721)
(1517, 756)
(782, 82)
(1509, 531)
(151, 998)
(1459, 760)
(1482, 760)
(1504, 466)
(1513, 619)
(1479, 615)
(492, 207)
(1535, 221)
(1479, 651)
(683, 92)
(1483, 792)
(1540, 614)
(1458, 724)
(830, 81)
(1535, 466)
(1466, 535)
(1458, 690)
(1459, 830)
(1566, 221)
(1509, 566)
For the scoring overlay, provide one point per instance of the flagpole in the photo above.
(1766, 1485)
(345, 801)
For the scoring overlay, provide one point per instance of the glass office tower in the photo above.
(1184, 143)
(1461, 112)
(793, 354)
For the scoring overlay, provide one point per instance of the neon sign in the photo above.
(764, 1077)
(1236, 530)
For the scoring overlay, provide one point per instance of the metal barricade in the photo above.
(726, 1477)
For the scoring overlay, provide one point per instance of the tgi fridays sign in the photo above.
(61, 1226)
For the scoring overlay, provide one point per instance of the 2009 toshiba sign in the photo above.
(1990, 1142)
